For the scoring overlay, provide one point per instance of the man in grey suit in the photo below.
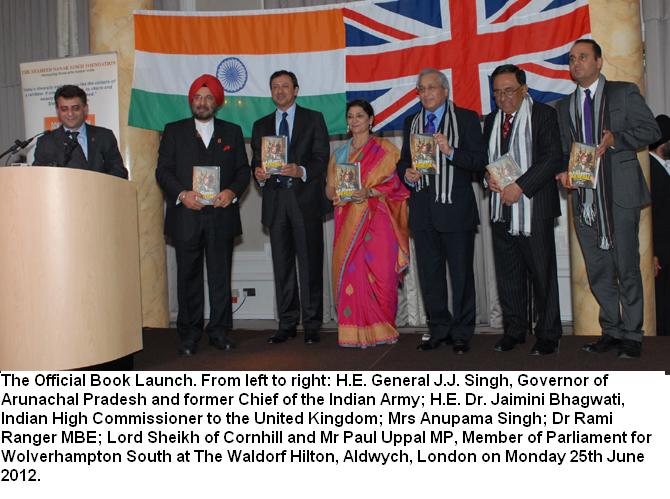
(613, 116)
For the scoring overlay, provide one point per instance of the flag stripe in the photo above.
(152, 110)
(173, 73)
(377, 26)
(306, 31)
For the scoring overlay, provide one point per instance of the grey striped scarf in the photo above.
(444, 178)
(594, 204)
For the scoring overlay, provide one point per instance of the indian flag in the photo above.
(242, 49)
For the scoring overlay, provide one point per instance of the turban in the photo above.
(209, 81)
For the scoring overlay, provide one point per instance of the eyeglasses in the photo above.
(206, 98)
(429, 88)
(506, 92)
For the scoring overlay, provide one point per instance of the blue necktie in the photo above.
(283, 126)
(588, 128)
(430, 123)
(283, 130)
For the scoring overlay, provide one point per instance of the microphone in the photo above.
(22, 144)
(70, 144)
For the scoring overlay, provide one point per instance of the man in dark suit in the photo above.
(198, 230)
(293, 207)
(523, 212)
(659, 162)
(442, 210)
(75, 144)
(613, 116)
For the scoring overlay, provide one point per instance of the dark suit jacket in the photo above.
(633, 126)
(180, 149)
(660, 210)
(539, 181)
(469, 160)
(103, 152)
(309, 148)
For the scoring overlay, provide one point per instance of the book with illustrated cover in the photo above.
(424, 153)
(348, 180)
(207, 183)
(274, 153)
(505, 170)
(583, 165)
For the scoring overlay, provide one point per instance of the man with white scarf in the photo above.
(613, 116)
(443, 212)
(523, 213)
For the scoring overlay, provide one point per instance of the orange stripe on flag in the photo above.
(312, 31)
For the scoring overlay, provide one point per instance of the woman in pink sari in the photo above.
(371, 245)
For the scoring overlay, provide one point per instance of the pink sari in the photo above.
(371, 248)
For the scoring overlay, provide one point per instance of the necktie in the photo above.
(430, 123)
(588, 130)
(283, 125)
(507, 124)
(72, 136)
(283, 130)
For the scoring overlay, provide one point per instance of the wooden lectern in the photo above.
(69, 269)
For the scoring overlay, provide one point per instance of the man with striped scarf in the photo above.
(523, 213)
(613, 116)
(443, 213)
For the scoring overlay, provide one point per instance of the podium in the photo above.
(69, 269)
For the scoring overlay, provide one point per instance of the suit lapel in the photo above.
(91, 144)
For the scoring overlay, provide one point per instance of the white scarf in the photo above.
(521, 149)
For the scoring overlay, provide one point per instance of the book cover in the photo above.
(505, 170)
(348, 180)
(583, 166)
(207, 183)
(274, 153)
(424, 153)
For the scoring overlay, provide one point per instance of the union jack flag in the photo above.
(389, 42)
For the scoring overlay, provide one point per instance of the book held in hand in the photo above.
(274, 153)
(348, 180)
(505, 170)
(583, 166)
(207, 183)
(424, 153)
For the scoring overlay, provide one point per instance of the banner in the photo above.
(369, 50)
(96, 74)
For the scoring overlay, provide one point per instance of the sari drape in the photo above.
(371, 247)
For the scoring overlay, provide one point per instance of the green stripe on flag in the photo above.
(153, 111)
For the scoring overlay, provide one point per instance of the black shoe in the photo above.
(312, 336)
(282, 335)
(630, 349)
(460, 347)
(507, 343)
(604, 344)
(221, 343)
(186, 350)
(544, 347)
(433, 343)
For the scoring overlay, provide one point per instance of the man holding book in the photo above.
(524, 205)
(191, 149)
(443, 212)
(294, 204)
(613, 116)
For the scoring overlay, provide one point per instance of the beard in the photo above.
(203, 113)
